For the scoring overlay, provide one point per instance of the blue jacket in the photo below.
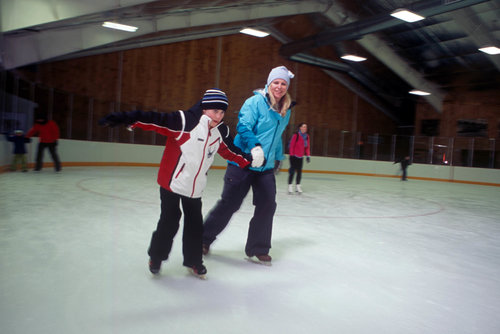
(19, 143)
(259, 124)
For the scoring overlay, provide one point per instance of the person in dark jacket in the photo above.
(193, 138)
(48, 131)
(405, 162)
(19, 152)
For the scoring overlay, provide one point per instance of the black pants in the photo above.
(53, 154)
(168, 225)
(237, 184)
(295, 166)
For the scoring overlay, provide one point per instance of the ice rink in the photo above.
(353, 254)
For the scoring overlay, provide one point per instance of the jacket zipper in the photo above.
(272, 142)
(180, 170)
(201, 163)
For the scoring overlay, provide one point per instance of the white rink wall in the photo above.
(77, 152)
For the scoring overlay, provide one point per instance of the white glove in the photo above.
(257, 156)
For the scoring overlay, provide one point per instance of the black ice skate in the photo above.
(154, 266)
(205, 249)
(261, 259)
(198, 270)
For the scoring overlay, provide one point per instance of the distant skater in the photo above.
(19, 152)
(404, 166)
(48, 131)
(299, 147)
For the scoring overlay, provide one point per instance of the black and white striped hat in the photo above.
(214, 98)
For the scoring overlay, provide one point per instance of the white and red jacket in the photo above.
(190, 148)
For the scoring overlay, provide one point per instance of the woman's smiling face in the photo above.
(278, 88)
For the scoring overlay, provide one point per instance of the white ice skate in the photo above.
(299, 189)
(290, 189)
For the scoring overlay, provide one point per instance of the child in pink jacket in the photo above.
(298, 148)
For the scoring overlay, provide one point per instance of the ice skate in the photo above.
(299, 189)
(260, 259)
(198, 270)
(154, 266)
(205, 249)
(290, 189)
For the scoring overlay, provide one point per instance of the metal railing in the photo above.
(77, 117)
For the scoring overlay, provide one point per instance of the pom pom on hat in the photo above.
(280, 72)
(214, 98)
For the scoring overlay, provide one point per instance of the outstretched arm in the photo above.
(164, 123)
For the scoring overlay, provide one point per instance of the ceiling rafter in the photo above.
(16, 15)
(350, 27)
(25, 49)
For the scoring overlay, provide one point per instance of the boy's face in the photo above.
(216, 115)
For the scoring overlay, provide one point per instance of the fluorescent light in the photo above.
(419, 92)
(254, 32)
(491, 50)
(353, 58)
(119, 26)
(406, 15)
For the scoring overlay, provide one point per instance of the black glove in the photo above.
(277, 166)
(308, 159)
(116, 118)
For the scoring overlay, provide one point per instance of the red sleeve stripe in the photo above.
(159, 129)
(227, 154)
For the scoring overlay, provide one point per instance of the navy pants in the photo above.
(168, 225)
(237, 183)
(53, 154)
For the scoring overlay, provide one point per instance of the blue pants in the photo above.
(237, 183)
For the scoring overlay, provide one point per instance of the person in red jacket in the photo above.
(299, 147)
(193, 138)
(48, 131)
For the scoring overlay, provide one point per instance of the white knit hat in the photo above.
(280, 72)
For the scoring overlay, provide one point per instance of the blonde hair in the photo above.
(282, 105)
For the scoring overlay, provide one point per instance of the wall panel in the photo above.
(174, 76)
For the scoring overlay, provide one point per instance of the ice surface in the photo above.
(351, 255)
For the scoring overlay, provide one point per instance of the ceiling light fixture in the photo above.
(491, 50)
(119, 26)
(406, 15)
(419, 92)
(254, 32)
(353, 58)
